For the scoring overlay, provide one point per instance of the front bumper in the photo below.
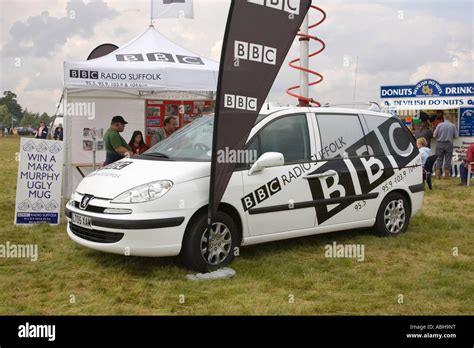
(125, 236)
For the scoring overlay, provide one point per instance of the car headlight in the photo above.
(71, 202)
(145, 193)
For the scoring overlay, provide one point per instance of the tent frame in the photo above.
(69, 167)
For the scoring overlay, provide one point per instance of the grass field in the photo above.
(419, 265)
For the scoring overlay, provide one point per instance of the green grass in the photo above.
(419, 265)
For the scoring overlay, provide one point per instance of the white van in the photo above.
(318, 170)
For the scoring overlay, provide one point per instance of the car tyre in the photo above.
(393, 216)
(224, 239)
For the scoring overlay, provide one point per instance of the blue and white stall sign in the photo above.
(38, 192)
(466, 122)
(428, 94)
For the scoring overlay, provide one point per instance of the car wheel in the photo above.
(393, 216)
(200, 256)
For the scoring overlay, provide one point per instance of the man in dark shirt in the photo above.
(116, 146)
(424, 132)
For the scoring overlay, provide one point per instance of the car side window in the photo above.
(288, 135)
(374, 122)
(341, 136)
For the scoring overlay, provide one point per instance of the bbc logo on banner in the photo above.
(83, 74)
(240, 102)
(290, 6)
(254, 52)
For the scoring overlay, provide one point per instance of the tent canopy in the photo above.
(150, 66)
(148, 63)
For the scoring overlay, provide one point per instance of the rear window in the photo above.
(379, 127)
(339, 135)
(374, 122)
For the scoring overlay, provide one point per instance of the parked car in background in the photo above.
(25, 131)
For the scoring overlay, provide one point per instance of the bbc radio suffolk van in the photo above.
(316, 171)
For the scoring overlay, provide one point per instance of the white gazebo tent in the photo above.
(150, 67)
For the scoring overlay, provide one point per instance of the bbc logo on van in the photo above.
(240, 102)
(261, 194)
(254, 52)
(290, 6)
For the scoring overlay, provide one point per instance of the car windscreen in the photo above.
(192, 143)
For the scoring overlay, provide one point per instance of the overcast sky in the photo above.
(398, 42)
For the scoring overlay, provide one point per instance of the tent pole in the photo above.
(151, 12)
(66, 156)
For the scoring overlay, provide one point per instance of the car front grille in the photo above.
(90, 208)
(95, 235)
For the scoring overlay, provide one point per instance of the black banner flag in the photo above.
(258, 36)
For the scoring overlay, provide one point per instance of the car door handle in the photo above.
(319, 176)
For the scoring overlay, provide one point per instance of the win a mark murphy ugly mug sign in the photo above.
(38, 192)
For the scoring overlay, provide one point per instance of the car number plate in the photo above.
(82, 221)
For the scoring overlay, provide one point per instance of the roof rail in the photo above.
(372, 106)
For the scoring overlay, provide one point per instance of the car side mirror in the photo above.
(267, 160)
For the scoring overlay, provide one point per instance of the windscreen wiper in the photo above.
(157, 154)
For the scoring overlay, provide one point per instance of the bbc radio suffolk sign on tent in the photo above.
(38, 192)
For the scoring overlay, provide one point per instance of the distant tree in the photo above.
(6, 116)
(29, 120)
(7, 121)
(3, 112)
(9, 100)
(9, 108)
(45, 118)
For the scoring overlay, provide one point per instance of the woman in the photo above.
(137, 144)
(58, 133)
(42, 132)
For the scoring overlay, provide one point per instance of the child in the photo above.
(425, 151)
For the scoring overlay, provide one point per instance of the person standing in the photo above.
(465, 165)
(424, 132)
(445, 134)
(437, 119)
(42, 132)
(163, 133)
(58, 133)
(137, 144)
(115, 146)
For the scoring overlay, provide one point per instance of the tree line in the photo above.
(11, 110)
